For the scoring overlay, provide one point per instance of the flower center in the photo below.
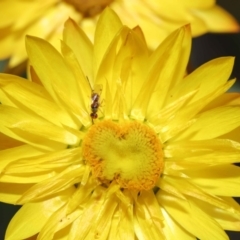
(128, 153)
(89, 8)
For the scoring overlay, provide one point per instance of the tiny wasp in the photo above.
(95, 104)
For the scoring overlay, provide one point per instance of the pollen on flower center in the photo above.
(128, 153)
(89, 8)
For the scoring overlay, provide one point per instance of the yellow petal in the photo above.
(234, 135)
(58, 225)
(156, 86)
(36, 213)
(130, 64)
(63, 233)
(26, 167)
(37, 89)
(20, 122)
(104, 34)
(206, 79)
(221, 180)
(47, 22)
(40, 105)
(224, 99)
(67, 178)
(100, 229)
(128, 60)
(163, 116)
(188, 189)
(218, 20)
(178, 10)
(199, 3)
(228, 220)
(213, 123)
(122, 222)
(82, 84)
(186, 117)
(25, 137)
(87, 219)
(172, 229)
(199, 27)
(6, 43)
(7, 142)
(10, 155)
(46, 62)
(77, 40)
(11, 192)
(167, 186)
(210, 152)
(33, 6)
(106, 76)
(108, 105)
(148, 217)
(191, 217)
(7, 16)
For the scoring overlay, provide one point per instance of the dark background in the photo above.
(204, 48)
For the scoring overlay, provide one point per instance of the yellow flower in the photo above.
(115, 143)
(156, 18)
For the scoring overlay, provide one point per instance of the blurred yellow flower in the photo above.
(115, 143)
(157, 19)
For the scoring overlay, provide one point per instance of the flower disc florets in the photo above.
(129, 153)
